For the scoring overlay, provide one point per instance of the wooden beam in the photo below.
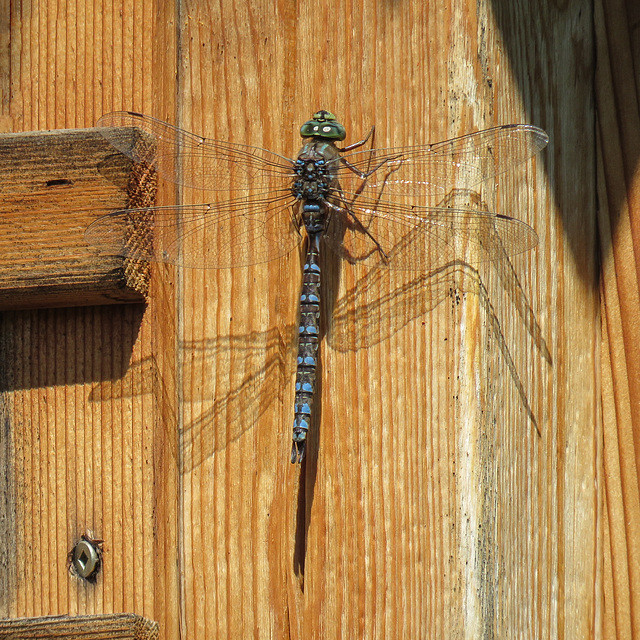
(617, 81)
(113, 626)
(53, 185)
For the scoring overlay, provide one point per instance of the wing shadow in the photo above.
(353, 321)
(249, 388)
(222, 411)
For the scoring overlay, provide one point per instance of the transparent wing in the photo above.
(386, 235)
(257, 224)
(436, 169)
(218, 235)
(197, 162)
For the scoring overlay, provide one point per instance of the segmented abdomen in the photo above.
(308, 338)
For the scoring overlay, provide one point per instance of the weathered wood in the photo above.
(616, 89)
(53, 185)
(81, 388)
(428, 505)
(114, 626)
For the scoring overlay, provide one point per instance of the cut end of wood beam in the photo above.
(54, 185)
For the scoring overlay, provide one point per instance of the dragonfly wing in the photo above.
(385, 235)
(437, 169)
(201, 236)
(185, 158)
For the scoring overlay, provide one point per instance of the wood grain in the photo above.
(617, 83)
(113, 626)
(54, 185)
(79, 446)
(429, 506)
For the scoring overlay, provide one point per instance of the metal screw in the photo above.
(86, 559)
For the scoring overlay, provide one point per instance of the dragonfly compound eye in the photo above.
(323, 127)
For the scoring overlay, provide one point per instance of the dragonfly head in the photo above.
(323, 125)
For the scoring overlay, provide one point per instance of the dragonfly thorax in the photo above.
(315, 170)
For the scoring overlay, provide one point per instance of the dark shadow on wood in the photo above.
(532, 34)
(40, 348)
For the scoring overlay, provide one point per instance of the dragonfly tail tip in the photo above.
(297, 452)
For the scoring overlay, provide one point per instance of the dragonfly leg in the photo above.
(348, 205)
(346, 208)
(362, 174)
(355, 145)
(365, 175)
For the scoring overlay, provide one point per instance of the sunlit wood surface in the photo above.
(618, 108)
(50, 183)
(452, 487)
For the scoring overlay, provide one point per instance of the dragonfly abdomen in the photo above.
(308, 340)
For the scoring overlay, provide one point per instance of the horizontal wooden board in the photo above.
(53, 185)
(114, 626)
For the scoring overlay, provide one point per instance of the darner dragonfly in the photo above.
(373, 206)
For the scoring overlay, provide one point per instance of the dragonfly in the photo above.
(372, 206)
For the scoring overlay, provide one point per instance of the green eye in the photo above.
(323, 125)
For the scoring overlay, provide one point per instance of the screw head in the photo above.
(86, 559)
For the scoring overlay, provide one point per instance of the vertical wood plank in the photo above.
(425, 475)
(84, 437)
(616, 90)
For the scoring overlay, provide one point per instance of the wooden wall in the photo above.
(429, 506)
(618, 135)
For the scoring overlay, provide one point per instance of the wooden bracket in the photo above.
(115, 626)
(53, 185)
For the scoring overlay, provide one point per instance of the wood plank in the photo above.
(53, 185)
(164, 521)
(114, 626)
(80, 441)
(616, 90)
(428, 505)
